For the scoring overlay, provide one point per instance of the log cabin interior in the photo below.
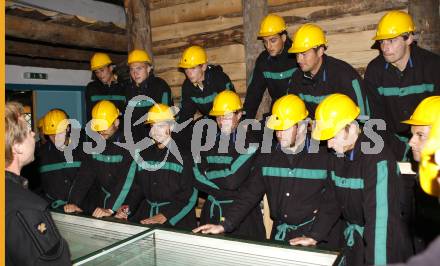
(49, 44)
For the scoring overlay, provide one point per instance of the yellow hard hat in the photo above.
(104, 113)
(160, 113)
(393, 24)
(226, 102)
(286, 112)
(99, 60)
(272, 24)
(137, 55)
(55, 122)
(192, 57)
(333, 114)
(307, 37)
(430, 162)
(426, 112)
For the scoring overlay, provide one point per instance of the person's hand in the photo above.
(101, 212)
(123, 212)
(156, 219)
(303, 241)
(69, 208)
(210, 229)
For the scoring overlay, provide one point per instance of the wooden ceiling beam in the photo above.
(43, 62)
(31, 29)
(55, 53)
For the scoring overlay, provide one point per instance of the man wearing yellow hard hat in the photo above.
(203, 82)
(56, 174)
(223, 171)
(274, 66)
(319, 74)
(163, 184)
(105, 85)
(294, 178)
(429, 173)
(421, 121)
(111, 171)
(400, 77)
(144, 82)
(366, 185)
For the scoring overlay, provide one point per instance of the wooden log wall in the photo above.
(218, 26)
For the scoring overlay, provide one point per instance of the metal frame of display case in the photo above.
(156, 239)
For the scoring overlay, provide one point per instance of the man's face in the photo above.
(395, 49)
(161, 132)
(418, 140)
(139, 72)
(287, 137)
(229, 122)
(274, 44)
(59, 140)
(310, 60)
(196, 74)
(344, 139)
(109, 132)
(104, 74)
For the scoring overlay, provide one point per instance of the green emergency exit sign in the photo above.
(34, 75)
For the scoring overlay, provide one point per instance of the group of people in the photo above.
(331, 180)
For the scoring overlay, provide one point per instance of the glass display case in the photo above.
(112, 243)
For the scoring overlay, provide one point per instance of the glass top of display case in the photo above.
(86, 235)
(110, 243)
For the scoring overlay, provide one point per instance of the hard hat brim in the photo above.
(280, 124)
(100, 66)
(221, 113)
(416, 122)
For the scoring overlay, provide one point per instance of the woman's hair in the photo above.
(16, 128)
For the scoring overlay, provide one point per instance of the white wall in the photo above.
(14, 75)
(63, 89)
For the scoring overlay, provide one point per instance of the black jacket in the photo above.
(57, 175)
(112, 171)
(194, 99)
(295, 185)
(273, 73)
(165, 186)
(31, 235)
(367, 189)
(334, 76)
(97, 91)
(394, 94)
(222, 173)
(153, 87)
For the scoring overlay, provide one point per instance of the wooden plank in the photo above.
(155, 4)
(194, 11)
(300, 15)
(254, 12)
(138, 25)
(30, 29)
(220, 55)
(185, 29)
(206, 40)
(54, 52)
(354, 48)
(37, 62)
(268, 223)
(426, 17)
